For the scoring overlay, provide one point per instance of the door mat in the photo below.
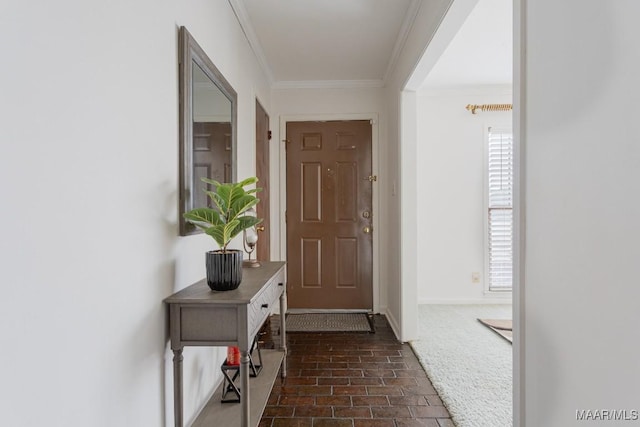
(329, 322)
(502, 327)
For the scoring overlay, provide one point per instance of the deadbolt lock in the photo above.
(366, 214)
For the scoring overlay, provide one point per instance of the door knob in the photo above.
(260, 228)
(367, 229)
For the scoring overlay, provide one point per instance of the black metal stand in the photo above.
(232, 372)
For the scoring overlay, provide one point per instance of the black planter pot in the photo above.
(224, 269)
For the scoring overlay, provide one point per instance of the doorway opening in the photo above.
(469, 61)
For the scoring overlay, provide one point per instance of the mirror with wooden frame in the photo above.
(208, 111)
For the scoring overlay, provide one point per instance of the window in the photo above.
(500, 209)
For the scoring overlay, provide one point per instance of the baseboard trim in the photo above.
(393, 323)
(427, 301)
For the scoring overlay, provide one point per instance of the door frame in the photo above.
(373, 119)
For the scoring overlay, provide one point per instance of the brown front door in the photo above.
(329, 210)
(262, 172)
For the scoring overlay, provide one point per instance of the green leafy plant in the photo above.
(228, 216)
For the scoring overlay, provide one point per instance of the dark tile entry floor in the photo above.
(352, 380)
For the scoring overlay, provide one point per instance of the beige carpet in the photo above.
(471, 371)
(502, 327)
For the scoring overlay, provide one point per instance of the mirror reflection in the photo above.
(211, 135)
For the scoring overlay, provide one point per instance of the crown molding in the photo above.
(245, 24)
(403, 34)
(327, 84)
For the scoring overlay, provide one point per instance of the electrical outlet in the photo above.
(475, 277)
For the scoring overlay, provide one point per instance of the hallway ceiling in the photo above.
(347, 43)
(316, 43)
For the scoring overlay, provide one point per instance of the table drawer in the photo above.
(263, 305)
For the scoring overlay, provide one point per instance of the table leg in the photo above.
(244, 387)
(283, 331)
(177, 386)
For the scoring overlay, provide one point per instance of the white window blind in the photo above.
(500, 204)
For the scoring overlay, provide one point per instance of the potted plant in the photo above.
(225, 220)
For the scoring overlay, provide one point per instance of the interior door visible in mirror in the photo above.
(211, 157)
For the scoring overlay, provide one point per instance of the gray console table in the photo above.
(201, 317)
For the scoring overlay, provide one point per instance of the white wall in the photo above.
(89, 182)
(579, 132)
(451, 193)
(401, 172)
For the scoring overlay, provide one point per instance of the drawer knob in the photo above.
(265, 305)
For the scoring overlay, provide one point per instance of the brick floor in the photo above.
(352, 380)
